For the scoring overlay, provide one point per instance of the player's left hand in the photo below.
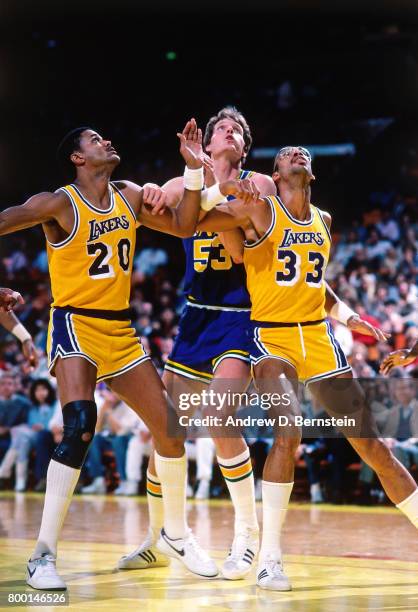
(400, 358)
(191, 145)
(155, 196)
(30, 353)
(363, 327)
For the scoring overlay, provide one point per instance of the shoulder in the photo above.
(264, 183)
(127, 186)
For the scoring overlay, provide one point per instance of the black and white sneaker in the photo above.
(189, 552)
(271, 576)
(146, 555)
(42, 574)
(242, 555)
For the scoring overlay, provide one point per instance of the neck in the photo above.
(225, 168)
(95, 186)
(297, 199)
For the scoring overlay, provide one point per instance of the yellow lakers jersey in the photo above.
(92, 267)
(286, 267)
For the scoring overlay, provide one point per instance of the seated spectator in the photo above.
(115, 423)
(49, 428)
(14, 410)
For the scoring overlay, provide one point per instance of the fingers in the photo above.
(19, 299)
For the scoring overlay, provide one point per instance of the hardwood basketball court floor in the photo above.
(339, 558)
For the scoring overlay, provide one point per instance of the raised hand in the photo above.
(9, 299)
(401, 358)
(210, 178)
(245, 190)
(154, 196)
(191, 145)
(360, 326)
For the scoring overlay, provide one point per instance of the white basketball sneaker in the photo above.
(189, 552)
(42, 574)
(242, 555)
(146, 555)
(271, 576)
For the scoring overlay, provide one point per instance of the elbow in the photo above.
(238, 259)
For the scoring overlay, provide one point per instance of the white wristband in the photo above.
(21, 332)
(211, 197)
(193, 179)
(341, 312)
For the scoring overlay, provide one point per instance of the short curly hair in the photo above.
(229, 112)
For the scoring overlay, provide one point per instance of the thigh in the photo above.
(76, 379)
(142, 389)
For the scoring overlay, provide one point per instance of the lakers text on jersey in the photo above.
(285, 278)
(91, 280)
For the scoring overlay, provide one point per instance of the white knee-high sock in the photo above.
(276, 497)
(60, 485)
(155, 504)
(172, 472)
(239, 477)
(409, 507)
(8, 462)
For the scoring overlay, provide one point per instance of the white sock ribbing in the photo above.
(60, 485)
(409, 507)
(155, 504)
(239, 477)
(276, 497)
(172, 472)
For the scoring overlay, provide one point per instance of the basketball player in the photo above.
(90, 228)
(286, 252)
(212, 343)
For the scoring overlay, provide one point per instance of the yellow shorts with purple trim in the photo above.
(311, 349)
(109, 344)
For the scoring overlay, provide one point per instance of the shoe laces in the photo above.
(239, 546)
(47, 562)
(274, 566)
(193, 546)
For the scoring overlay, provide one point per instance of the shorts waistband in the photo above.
(278, 324)
(110, 315)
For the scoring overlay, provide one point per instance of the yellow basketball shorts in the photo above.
(311, 348)
(108, 343)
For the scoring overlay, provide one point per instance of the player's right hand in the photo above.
(9, 299)
(401, 358)
(245, 190)
(154, 196)
(191, 145)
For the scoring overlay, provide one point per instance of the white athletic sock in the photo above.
(155, 504)
(60, 484)
(172, 472)
(276, 497)
(239, 477)
(409, 507)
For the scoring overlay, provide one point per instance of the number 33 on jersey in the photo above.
(92, 267)
(286, 267)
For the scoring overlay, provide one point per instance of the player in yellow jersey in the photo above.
(90, 232)
(287, 243)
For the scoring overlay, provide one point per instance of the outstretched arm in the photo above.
(40, 208)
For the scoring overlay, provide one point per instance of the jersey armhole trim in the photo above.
(59, 245)
(252, 245)
(118, 191)
(324, 223)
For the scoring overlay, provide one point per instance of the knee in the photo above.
(79, 419)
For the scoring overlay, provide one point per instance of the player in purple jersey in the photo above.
(212, 344)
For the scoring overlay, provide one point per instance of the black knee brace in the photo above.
(79, 424)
